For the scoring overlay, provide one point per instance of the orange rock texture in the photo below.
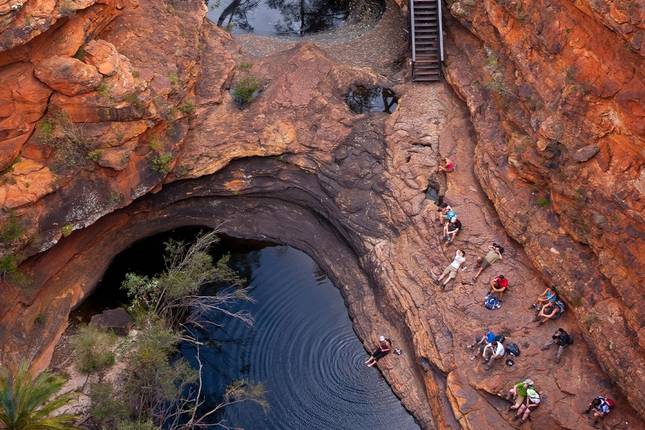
(110, 101)
(556, 92)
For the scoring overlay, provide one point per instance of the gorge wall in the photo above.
(109, 102)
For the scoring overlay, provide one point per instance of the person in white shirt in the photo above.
(493, 351)
(451, 270)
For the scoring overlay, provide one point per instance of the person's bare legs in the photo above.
(527, 411)
(520, 411)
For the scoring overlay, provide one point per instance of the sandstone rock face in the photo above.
(67, 75)
(160, 144)
(556, 93)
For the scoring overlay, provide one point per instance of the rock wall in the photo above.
(556, 91)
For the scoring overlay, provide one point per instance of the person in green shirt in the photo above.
(518, 393)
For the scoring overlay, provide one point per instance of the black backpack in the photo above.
(513, 349)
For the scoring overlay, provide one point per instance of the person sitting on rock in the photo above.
(560, 338)
(384, 347)
(517, 394)
(601, 406)
(487, 339)
(498, 286)
(447, 165)
(551, 311)
(450, 229)
(530, 404)
(446, 213)
(451, 270)
(493, 351)
(547, 296)
(493, 255)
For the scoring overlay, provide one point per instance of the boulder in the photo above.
(586, 153)
(102, 55)
(68, 75)
(117, 320)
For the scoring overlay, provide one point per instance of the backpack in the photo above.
(491, 302)
(560, 304)
(500, 338)
(513, 349)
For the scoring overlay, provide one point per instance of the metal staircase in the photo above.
(427, 40)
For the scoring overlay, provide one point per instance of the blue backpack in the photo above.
(492, 302)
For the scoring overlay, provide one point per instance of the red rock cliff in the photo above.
(556, 93)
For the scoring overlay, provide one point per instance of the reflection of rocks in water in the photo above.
(289, 17)
(363, 99)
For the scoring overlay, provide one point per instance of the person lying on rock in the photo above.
(451, 270)
(493, 351)
(493, 255)
(517, 394)
(447, 165)
(530, 404)
(601, 406)
(498, 286)
(384, 347)
(450, 229)
(560, 338)
(550, 311)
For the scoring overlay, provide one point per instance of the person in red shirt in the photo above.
(498, 286)
(447, 165)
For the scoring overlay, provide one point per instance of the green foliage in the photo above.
(80, 54)
(134, 101)
(67, 230)
(40, 319)
(28, 403)
(132, 425)
(245, 66)
(543, 202)
(243, 390)
(93, 349)
(70, 144)
(95, 155)
(161, 163)
(46, 129)
(12, 229)
(244, 89)
(107, 407)
(8, 265)
(174, 79)
(187, 107)
(103, 90)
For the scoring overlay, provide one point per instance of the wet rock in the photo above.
(68, 75)
(117, 320)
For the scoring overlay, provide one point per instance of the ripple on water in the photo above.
(305, 352)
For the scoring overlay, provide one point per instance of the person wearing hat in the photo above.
(451, 228)
(383, 349)
(531, 403)
(518, 393)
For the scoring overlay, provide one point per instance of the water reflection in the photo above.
(282, 17)
(361, 99)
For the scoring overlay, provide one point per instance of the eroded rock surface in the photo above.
(296, 166)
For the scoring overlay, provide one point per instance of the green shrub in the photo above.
(187, 107)
(80, 54)
(40, 319)
(161, 162)
(46, 129)
(103, 90)
(70, 144)
(67, 230)
(8, 265)
(133, 425)
(246, 66)
(543, 202)
(134, 101)
(93, 349)
(174, 79)
(244, 90)
(95, 155)
(12, 229)
(107, 406)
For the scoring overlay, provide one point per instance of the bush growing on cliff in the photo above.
(28, 403)
(93, 349)
(157, 388)
(11, 230)
(245, 89)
